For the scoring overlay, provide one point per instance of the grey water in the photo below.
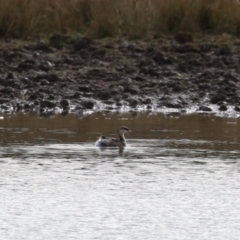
(178, 178)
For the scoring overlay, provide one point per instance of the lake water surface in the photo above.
(178, 178)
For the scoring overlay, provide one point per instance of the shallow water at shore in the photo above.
(178, 178)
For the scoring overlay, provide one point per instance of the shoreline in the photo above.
(160, 74)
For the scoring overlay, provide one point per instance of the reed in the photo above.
(104, 18)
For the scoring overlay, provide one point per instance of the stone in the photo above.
(223, 107)
(88, 104)
(218, 97)
(64, 104)
(47, 104)
(204, 109)
(131, 89)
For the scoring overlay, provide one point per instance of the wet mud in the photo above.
(165, 73)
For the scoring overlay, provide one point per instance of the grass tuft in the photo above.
(113, 18)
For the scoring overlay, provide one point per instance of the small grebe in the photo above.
(113, 142)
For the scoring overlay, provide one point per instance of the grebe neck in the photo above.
(121, 136)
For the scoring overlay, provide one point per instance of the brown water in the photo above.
(178, 178)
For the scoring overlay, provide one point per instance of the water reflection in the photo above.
(120, 150)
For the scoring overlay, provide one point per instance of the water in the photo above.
(177, 179)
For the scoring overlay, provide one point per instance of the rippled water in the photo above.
(178, 178)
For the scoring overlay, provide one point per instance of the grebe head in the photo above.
(124, 130)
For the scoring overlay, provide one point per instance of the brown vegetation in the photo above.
(132, 18)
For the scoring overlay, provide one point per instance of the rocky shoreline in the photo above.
(162, 74)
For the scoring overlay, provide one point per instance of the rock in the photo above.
(222, 108)
(4, 107)
(119, 103)
(50, 97)
(26, 106)
(158, 57)
(104, 95)
(131, 89)
(3, 101)
(204, 86)
(47, 104)
(36, 103)
(33, 96)
(126, 95)
(237, 108)
(133, 102)
(139, 78)
(52, 77)
(205, 109)
(64, 104)
(115, 91)
(149, 70)
(7, 82)
(45, 66)
(6, 90)
(146, 101)
(171, 103)
(218, 97)
(18, 107)
(177, 87)
(84, 88)
(109, 102)
(235, 77)
(11, 75)
(23, 66)
(44, 82)
(25, 81)
(88, 104)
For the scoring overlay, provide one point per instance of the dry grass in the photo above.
(132, 18)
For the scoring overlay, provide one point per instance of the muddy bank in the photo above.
(175, 73)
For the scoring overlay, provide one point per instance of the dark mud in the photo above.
(174, 73)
